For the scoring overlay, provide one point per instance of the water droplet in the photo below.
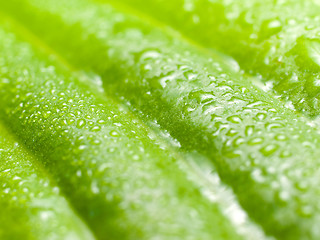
(101, 121)
(195, 19)
(94, 187)
(117, 124)
(261, 116)
(255, 141)
(81, 123)
(271, 126)
(305, 211)
(96, 129)
(281, 137)
(238, 141)
(269, 149)
(257, 175)
(302, 185)
(150, 54)
(234, 119)
(6, 190)
(190, 75)
(95, 142)
(79, 173)
(249, 130)
(285, 154)
(45, 215)
(232, 132)
(274, 24)
(114, 133)
(82, 147)
(283, 197)
(188, 6)
(136, 157)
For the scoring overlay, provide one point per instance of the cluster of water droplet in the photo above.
(263, 150)
(245, 131)
(98, 151)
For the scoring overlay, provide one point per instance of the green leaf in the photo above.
(260, 35)
(118, 174)
(267, 153)
(31, 205)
